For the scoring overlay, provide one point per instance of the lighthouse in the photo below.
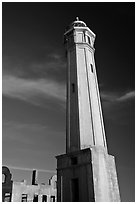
(86, 172)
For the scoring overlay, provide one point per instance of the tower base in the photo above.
(87, 175)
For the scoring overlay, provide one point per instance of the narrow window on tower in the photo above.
(89, 40)
(91, 68)
(84, 37)
(73, 87)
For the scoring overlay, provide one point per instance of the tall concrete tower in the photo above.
(86, 172)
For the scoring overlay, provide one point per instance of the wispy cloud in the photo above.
(29, 169)
(108, 96)
(127, 96)
(53, 67)
(118, 107)
(117, 97)
(18, 125)
(29, 90)
(29, 134)
(32, 90)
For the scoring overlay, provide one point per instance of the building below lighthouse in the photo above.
(86, 172)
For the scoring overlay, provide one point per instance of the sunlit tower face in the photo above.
(86, 172)
(85, 126)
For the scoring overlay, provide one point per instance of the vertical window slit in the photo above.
(91, 68)
(84, 37)
(73, 87)
(89, 40)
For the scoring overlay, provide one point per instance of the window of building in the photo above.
(74, 160)
(91, 68)
(3, 178)
(75, 190)
(89, 41)
(44, 198)
(73, 87)
(55, 186)
(24, 198)
(52, 198)
(7, 197)
(35, 199)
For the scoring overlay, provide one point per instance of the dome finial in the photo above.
(77, 18)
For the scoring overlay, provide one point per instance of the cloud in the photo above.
(118, 107)
(18, 125)
(30, 134)
(55, 70)
(108, 96)
(116, 97)
(29, 169)
(52, 67)
(35, 90)
(127, 96)
(30, 90)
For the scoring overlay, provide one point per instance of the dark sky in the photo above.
(34, 80)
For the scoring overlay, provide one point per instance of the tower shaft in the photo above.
(84, 116)
(86, 172)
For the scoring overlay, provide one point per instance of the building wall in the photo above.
(95, 172)
(80, 171)
(104, 176)
(21, 189)
(22, 192)
(7, 184)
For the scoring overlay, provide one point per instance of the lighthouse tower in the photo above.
(86, 172)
